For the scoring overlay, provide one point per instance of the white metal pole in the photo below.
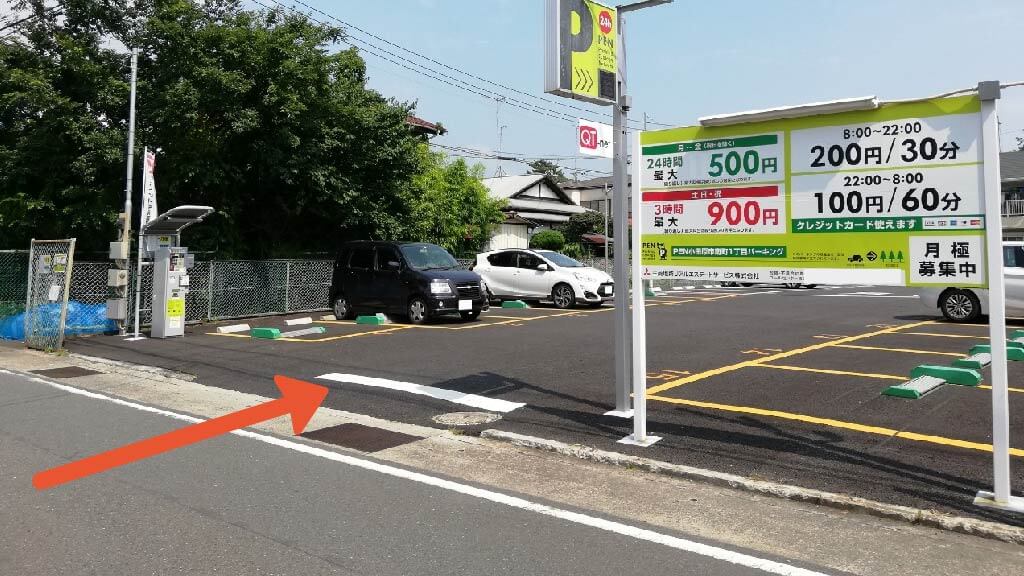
(1000, 497)
(623, 331)
(639, 372)
(607, 211)
(129, 173)
(138, 258)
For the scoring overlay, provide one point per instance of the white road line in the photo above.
(612, 526)
(473, 400)
(866, 296)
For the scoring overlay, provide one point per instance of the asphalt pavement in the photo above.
(770, 383)
(257, 505)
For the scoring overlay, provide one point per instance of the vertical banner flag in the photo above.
(148, 211)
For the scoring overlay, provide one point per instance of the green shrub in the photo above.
(574, 250)
(547, 240)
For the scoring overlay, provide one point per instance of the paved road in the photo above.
(786, 384)
(237, 505)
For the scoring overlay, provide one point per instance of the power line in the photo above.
(453, 68)
(26, 19)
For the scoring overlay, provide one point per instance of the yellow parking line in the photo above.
(1020, 390)
(779, 356)
(904, 350)
(855, 426)
(836, 372)
(945, 335)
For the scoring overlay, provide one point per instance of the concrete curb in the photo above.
(982, 528)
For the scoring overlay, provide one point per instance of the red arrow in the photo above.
(299, 398)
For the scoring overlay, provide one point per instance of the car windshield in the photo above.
(428, 257)
(561, 260)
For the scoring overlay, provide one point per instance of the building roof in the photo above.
(529, 207)
(421, 126)
(1011, 166)
(594, 183)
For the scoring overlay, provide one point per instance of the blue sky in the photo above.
(691, 59)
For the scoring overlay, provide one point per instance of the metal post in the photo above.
(623, 330)
(67, 288)
(130, 169)
(607, 211)
(1000, 497)
(28, 292)
(639, 437)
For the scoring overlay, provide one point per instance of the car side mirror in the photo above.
(392, 265)
(543, 267)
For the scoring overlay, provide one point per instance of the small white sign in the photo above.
(54, 293)
(595, 139)
(948, 260)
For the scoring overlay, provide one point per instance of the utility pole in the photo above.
(500, 172)
(620, 179)
(498, 128)
(607, 211)
(126, 221)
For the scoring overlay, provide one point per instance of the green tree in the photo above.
(584, 223)
(548, 240)
(250, 112)
(61, 139)
(549, 168)
(450, 206)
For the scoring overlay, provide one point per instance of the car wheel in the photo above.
(746, 284)
(960, 305)
(563, 296)
(418, 312)
(342, 310)
(791, 285)
(471, 315)
(810, 286)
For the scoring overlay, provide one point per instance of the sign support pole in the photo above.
(623, 327)
(1000, 497)
(639, 436)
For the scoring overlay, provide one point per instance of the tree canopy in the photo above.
(549, 168)
(251, 112)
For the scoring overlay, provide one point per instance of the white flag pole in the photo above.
(144, 206)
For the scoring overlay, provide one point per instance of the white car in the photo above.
(542, 275)
(967, 304)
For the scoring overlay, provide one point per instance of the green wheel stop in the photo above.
(976, 361)
(915, 388)
(377, 319)
(1012, 352)
(265, 333)
(514, 304)
(951, 374)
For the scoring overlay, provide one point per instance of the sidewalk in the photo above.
(840, 540)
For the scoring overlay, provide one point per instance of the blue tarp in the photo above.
(81, 319)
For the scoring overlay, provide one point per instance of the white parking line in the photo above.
(860, 295)
(612, 526)
(473, 400)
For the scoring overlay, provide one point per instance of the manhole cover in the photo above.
(466, 418)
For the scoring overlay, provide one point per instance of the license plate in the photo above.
(465, 305)
(607, 291)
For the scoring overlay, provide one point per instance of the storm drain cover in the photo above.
(466, 418)
(66, 372)
(359, 437)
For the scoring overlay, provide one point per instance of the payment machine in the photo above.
(171, 264)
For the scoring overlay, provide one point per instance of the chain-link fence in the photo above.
(13, 281)
(51, 264)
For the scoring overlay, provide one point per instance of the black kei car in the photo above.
(414, 279)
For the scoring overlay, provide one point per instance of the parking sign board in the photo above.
(594, 138)
(580, 52)
(888, 196)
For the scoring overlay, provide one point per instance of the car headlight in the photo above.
(440, 287)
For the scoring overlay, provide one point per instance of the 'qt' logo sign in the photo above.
(588, 137)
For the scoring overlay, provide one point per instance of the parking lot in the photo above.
(767, 382)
